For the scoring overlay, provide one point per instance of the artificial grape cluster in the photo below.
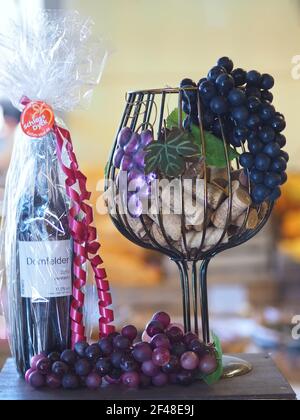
(165, 356)
(130, 157)
(243, 102)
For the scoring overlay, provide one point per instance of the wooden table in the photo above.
(264, 382)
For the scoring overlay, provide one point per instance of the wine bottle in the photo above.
(44, 253)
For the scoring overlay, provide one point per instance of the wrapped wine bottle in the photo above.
(44, 248)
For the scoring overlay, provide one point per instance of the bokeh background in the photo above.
(255, 289)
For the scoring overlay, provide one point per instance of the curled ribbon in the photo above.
(86, 246)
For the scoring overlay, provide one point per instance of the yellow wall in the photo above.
(158, 42)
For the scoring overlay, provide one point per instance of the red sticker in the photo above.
(37, 119)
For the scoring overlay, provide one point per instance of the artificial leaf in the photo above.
(171, 164)
(183, 142)
(173, 119)
(153, 157)
(216, 376)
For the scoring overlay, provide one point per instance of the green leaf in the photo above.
(171, 164)
(216, 376)
(173, 119)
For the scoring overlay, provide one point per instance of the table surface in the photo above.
(264, 382)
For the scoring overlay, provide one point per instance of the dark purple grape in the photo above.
(207, 90)
(53, 381)
(163, 318)
(146, 138)
(93, 352)
(262, 162)
(28, 373)
(145, 381)
(224, 83)
(267, 96)
(247, 160)
(118, 156)
(111, 380)
(240, 114)
(160, 340)
(82, 367)
(189, 361)
(184, 378)
(278, 124)
(111, 336)
(70, 381)
(35, 359)
(161, 356)
(275, 194)
(121, 343)
(189, 337)
(219, 105)
(149, 368)
(124, 136)
(93, 381)
(237, 97)
(254, 78)
(198, 347)
(239, 76)
(116, 358)
(131, 379)
(178, 349)
(36, 380)
(174, 334)
(128, 364)
(133, 144)
(54, 357)
(257, 176)
(130, 332)
(267, 82)
(139, 159)
(160, 380)
(106, 346)
(126, 164)
(281, 140)
(272, 149)
(80, 348)
(103, 366)
(154, 327)
(208, 364)
(215, 72)
(43, 366)
(142, 352)
(60, 368)
(267, 111)
(272, 180)
(254, 103)
(69, 357)
(226, 64)
(116, 374)
(173, 366)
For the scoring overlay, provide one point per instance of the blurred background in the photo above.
(254, 289)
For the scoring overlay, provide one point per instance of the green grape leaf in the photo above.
(153, 157)
(171, 164)
(183, 142)
(215, 153)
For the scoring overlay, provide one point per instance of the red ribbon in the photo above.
(86, 246)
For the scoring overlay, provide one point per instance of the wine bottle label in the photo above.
(45, 269)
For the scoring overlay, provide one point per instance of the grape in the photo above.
(266, 134)
(69, 357)
(160, 380)
(129, 332)
(215, 72)
(128, 364)
(267, 82)
(146, 138)
(278, 124)
(219, 105)
(253, 121)
(112, 381)
(116, 358)
(133, 144)
(275, 194)
(149, 368)
(36, 380)
(142, 352)
(253, 91)
(161, 356)
(207, 120)
(208, 364)
(43, 366)
(240, 114)
(254, 78)
(189, 337)
(145, 337)
(262, 162)
(154, 327)
(103, 366)
(80, 348)
(272, 180)
(118, 156)
(281, 140)
(253, 103)
(105, 345)
(260, 193)
(139, 159)
(239, 76)
(257, 176)
(121, 343)
(135, 206)
(178, 348)
(224, 83)
(184, 378)
(207, 90)
(111, 336)
(285, 155)
(175, 334)
(279, 165)
(93, 352)
(124, 136)
(160, 340)
(284, 178)
(54, 357)
(93, 381)
(82, 367)
(131, 379)
(255, 147)
(197, 347)
(28, 373)
(236, 97)
(145, 381)
(173, 366)
(267, 96)
(53, 381)
(267, 111)
(247, 160)
(163, 318)
(272, 149)
(70, 381)
(126, 163)
(226, 64)
(189, 360)
(60, 368)
(186, 83)
(35, 360)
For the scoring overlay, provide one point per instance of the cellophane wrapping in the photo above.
(53, 58)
